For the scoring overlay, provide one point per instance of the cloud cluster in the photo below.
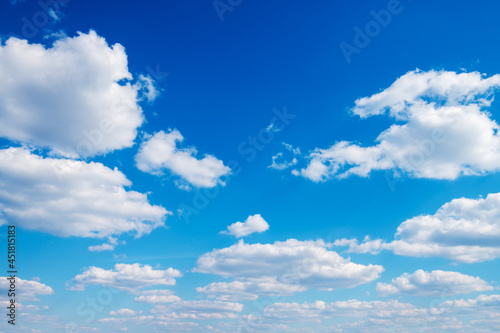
(71, 198)
(130, 277)
(466, 230)
(157, 296)
(351, 308)
(301, 263)
(253, 223)
(435, 283)
(202, 309)
(75, 98)
(160, 152)
(441, 131)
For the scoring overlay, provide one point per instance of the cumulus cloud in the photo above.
(75, 98)
(160, 152)
(304, 263)
(442, 130)
(71, 198)
(248, 289)
(157, 296)
(25, 289)
(130, 277)
(437, 283)
(465, 230)
(253, 223)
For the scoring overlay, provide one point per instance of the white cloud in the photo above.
(304, 263)
(74, 97)
(253, 223)
(130, 277)
(367, 246)
(351, 308)
(109, 246)
(442, 130)
(71, 198)
(160, 152)
(123, 312)
(25, 289)
(480, 301)
(466, 230)
(157, 296)
(248, 289)
(437, 283)
(202, 309)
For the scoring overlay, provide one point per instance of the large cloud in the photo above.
(130, 277)
(304, 263)
(74, 97)
(433, 283)
(71, 198)
(442, 130)
(466, 230)
(160, 152)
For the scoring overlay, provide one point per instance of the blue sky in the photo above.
(251, 166)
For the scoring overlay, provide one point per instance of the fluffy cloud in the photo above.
(130, 277)
(157, 296)
(25, 289)
(75, 97)
(253, 223)
(433, 283)
(71, 198)
(304, 263)
(465, 230)
(248, 289)
(160, 152)
(442, 130)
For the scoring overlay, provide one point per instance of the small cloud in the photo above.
(254, 223)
